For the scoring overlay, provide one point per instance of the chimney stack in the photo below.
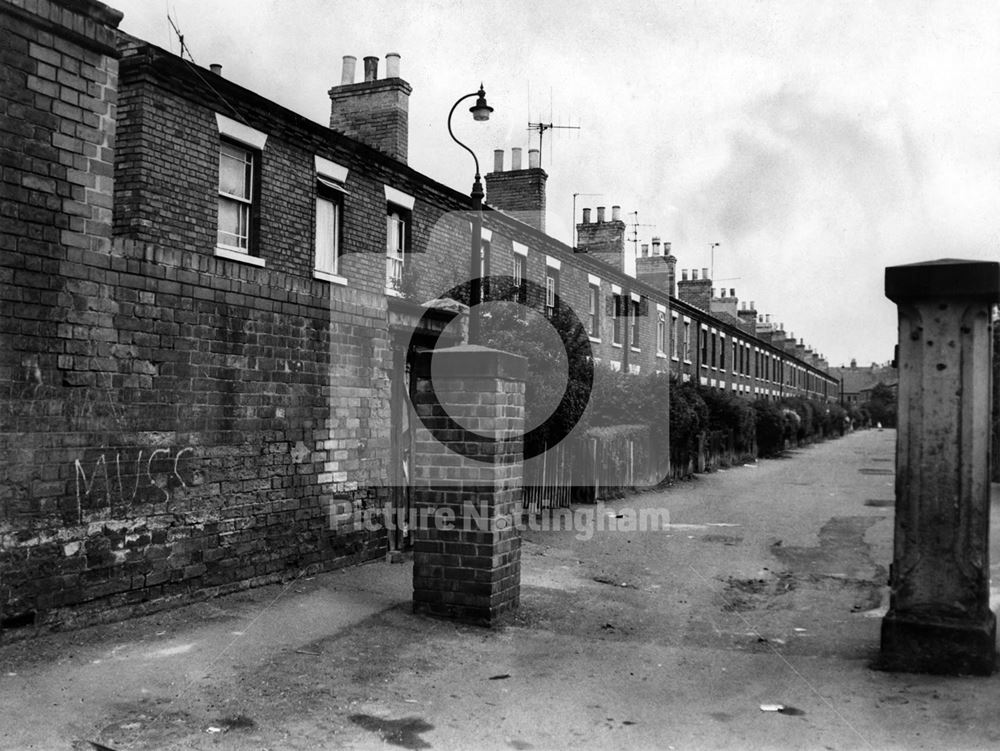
(697, 290)
(374, 112)
(748, 318)
(519, 192)
(605, 240)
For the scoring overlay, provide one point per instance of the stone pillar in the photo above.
(467, 483)
(939, 619)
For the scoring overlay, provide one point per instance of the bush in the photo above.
(770, 426)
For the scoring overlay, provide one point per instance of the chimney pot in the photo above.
(694, 275)
(616, 213)
(732, 292)
(684, 275)
(645, 250)
(371, 68)
(515, 158)
(704, 273)
(656, 246)
(498, 160)
(216, 68)
(534, 159)
(600, 214)
(753, 306)
(666, 248)
(392, 65)
(586, 216)
(347, 71)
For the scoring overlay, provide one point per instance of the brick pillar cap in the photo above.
(472, 360)
(946, 277)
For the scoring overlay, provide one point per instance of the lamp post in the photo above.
(480, 111)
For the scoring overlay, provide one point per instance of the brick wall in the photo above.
(375, 113)
(520, 193)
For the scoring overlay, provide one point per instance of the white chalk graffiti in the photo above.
(141, 479)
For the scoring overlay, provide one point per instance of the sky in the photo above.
(817, 142)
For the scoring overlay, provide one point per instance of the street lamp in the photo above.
(480, 111)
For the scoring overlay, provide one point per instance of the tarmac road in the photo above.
(759, 585)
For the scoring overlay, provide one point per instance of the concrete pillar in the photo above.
(467, 483)
(939, 619)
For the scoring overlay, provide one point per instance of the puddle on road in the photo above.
(404, 732)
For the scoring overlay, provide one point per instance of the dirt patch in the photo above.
(742, 595)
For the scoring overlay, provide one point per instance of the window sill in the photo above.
(662, 355)
(390, 292)
(616, 344)
(635, 349)
(239, 255)
(674, 358)
(594, 339)
(326, 276)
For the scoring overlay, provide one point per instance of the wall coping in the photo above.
(944, 278)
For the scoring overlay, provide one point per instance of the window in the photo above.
(236, 177)
(722, 351)
(328, 210)
(398, 219)
(635, 310)
(687, 341)
(673, 336)
(520, 270)
(397, 227)
(551, 289)
(594, 321)
(661, 332)
(239, 166)
(704, 348)
(616, 320)
(330, 179)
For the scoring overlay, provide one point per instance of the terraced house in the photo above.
(210, 304)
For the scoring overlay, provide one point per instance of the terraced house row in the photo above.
(210, 304)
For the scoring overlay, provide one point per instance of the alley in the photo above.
(765, 588)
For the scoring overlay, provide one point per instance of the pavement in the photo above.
(765, 587)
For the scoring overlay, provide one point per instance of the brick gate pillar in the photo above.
(939, 619)
(467, 483)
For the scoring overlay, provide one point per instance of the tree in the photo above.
(881, 405)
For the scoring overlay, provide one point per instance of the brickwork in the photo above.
(603, 240)
(469, 569)
(375, 113)
(173, 422)
(519, 193)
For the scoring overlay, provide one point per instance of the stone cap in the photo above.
(472, 360)
(946, 277)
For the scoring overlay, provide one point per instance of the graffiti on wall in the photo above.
(127, 477)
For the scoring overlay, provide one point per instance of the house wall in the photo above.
(176, 423)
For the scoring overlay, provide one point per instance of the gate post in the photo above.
(468, 480)
(939, 619)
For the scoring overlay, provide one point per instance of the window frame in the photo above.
(251, 142)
